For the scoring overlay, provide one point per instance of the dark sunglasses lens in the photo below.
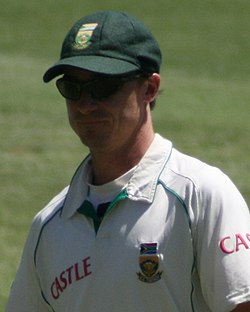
(104, 88)
(68, 89)
(99, 89)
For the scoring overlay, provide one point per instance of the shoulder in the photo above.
(39, 221)
(201, 185)
(48, 212)
(190, 170)
(184, 168)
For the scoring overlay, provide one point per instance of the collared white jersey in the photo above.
(176, 239)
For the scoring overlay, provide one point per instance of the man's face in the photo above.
(112, 123)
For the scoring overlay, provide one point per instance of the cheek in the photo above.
(71, 114)
(135, 108)
(125, 112)
(129, 119)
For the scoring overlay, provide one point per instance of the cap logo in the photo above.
(83, 37)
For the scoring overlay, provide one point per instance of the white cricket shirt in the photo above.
(177, 239)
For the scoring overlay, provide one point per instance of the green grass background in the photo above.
(204, 107)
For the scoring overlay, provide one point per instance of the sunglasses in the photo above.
(99, 88)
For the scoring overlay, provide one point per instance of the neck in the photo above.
(109, 165)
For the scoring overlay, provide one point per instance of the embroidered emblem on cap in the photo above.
(82, 40)
(149, 260)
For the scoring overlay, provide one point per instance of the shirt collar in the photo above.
(143, 183)
(141, 186)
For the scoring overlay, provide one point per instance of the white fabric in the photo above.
(98, 194)
(192, 216)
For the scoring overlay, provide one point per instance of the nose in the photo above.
(86, 104)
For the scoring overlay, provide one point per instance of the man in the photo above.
(141, 226)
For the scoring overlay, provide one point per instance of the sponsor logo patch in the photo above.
(149, 260)
(235, 243)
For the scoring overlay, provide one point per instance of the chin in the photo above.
(94, 143)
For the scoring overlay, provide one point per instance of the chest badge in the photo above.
(149, 261)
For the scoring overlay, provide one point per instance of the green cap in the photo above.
(109, 43)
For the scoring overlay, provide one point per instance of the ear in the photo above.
(153, 87)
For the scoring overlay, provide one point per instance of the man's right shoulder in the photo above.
(42, 218)
(51, 208)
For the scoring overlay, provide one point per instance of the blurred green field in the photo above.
(204, 107)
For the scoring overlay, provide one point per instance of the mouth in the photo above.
(91, 122)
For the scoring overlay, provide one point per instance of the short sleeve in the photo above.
(25, 294)
(223, 243)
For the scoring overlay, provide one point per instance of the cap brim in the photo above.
(93, 63)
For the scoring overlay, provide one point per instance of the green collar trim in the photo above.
(88, 209)
(121, 196)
